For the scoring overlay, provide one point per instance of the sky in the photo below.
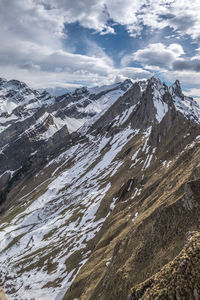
(70, 43)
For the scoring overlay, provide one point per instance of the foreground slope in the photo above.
(112, 208)
(177, 280)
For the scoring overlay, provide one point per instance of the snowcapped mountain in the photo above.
(18, 102)
(98, 188)
(31, 122)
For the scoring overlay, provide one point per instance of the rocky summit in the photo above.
(99, 192)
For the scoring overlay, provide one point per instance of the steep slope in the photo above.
(157, 204)
(112, 207)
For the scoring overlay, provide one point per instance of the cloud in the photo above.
(134, 15)
(69, 62)
(34, 45)
(32, 50)
(185, 18)
(193, 92)
(187, 77)
(23, 20)
(134, 73)
(187, 65)
(155, 56)
(181, 16)
(97, 14)
(90, 14)
(60, 65)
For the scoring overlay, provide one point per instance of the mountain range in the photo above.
(99, 192)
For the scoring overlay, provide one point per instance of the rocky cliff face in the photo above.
(95, 212)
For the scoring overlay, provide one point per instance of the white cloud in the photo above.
(23, 20)
(186, 77)
(124, 11)
(134, 73)
(155, 56)
(90, 14)
(32, 48)
(59, 68)
(182, 16)
(32, 35)
(193, 92)
(186, 17)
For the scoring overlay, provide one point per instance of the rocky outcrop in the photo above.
(179, 279)
(191, 199)
(2, 294)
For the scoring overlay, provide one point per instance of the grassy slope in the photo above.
(128, 252)
(179, 279)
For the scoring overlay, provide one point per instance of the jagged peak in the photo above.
(177, 83)
(142, 84)
(186, 105)
(157, 84)
(16, 84)
(80, 91)
(175, 88)
(155, 80)
(126, 84)
(127, 81)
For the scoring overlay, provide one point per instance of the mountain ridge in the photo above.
(87, 207)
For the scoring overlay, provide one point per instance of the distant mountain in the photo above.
(99, 189)
(57, 91)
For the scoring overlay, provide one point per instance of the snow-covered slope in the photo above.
(41, 226)
(18, 102)
(88, 104)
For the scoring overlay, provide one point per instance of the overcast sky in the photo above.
(91, 42)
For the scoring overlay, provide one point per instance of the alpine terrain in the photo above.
(99, 193)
